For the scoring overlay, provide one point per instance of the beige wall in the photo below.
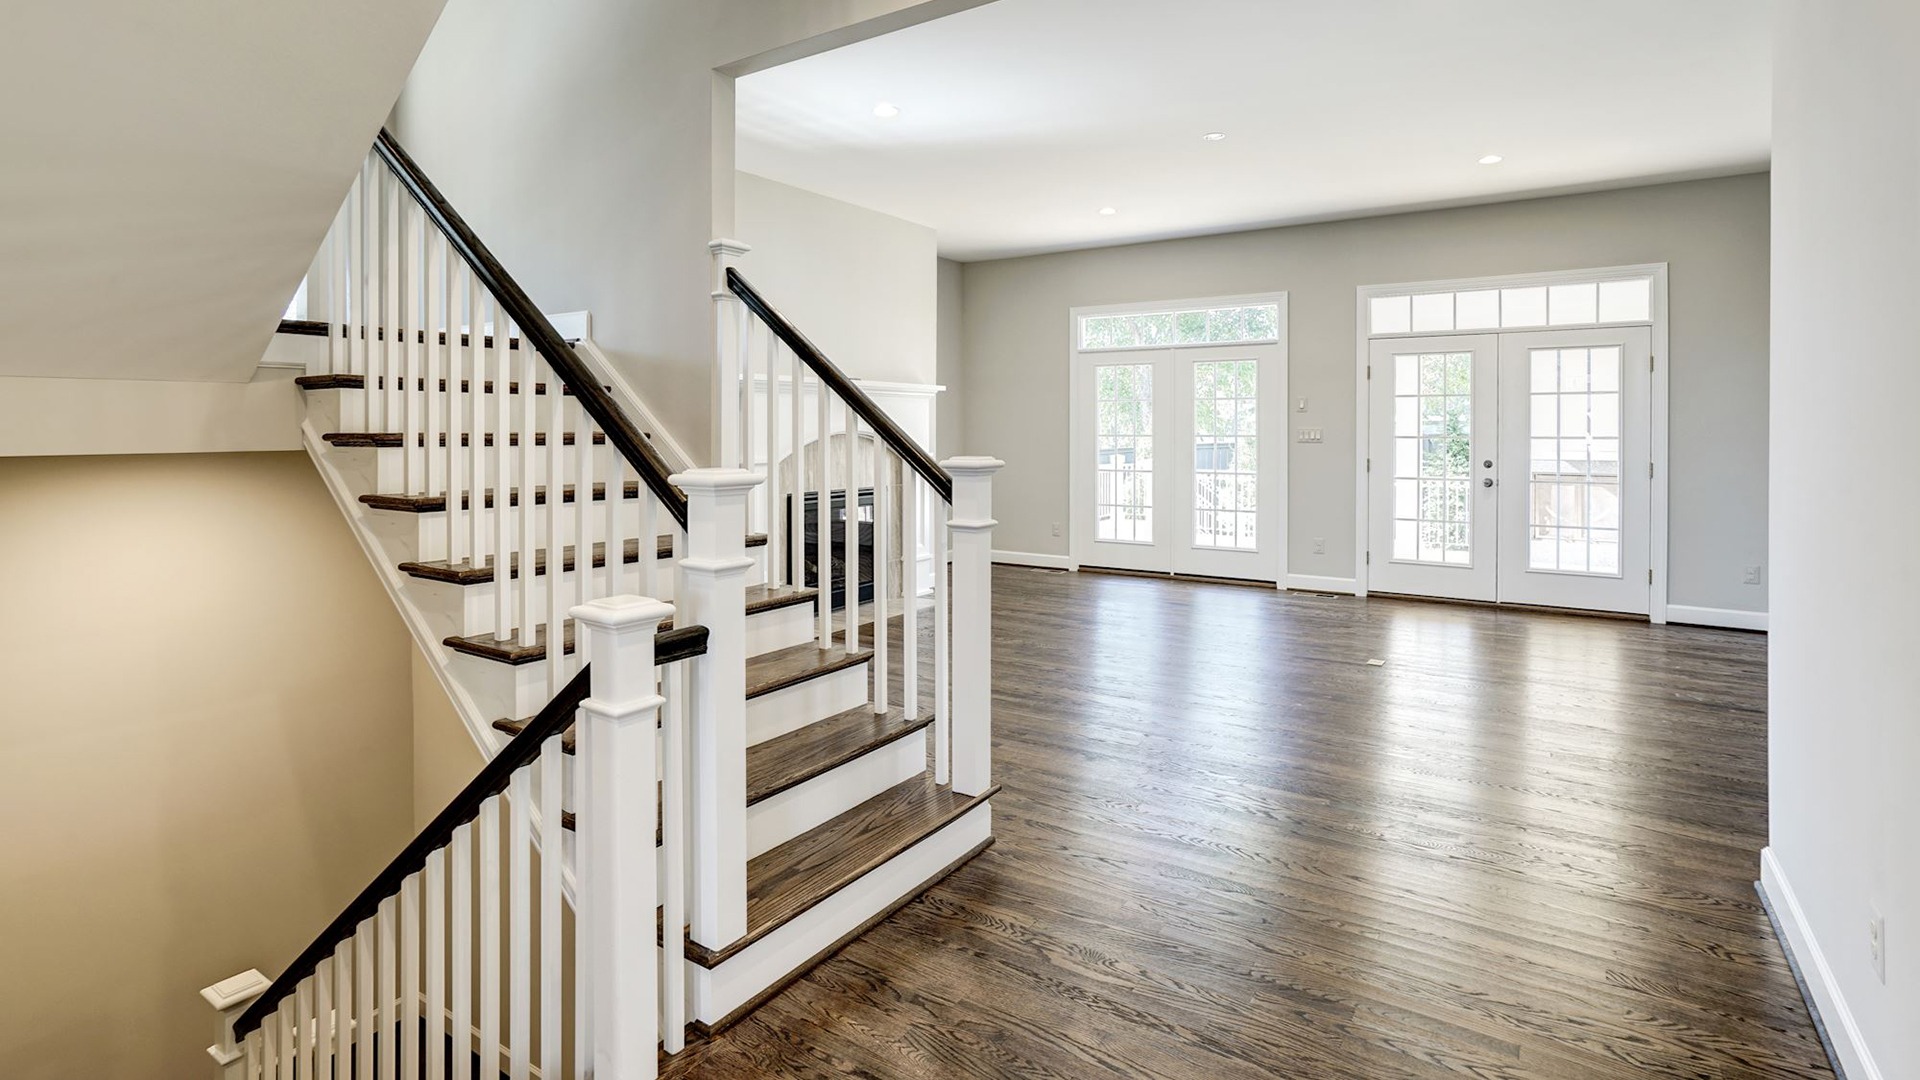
(860, 284)
(59, 417)
(1843, 733)
(445, 758)
(205, 745)
(620, 169)
(1714, 233)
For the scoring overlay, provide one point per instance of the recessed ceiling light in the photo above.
(886, 110)
(1492, 159)
(1214, 136)
(1108, 211)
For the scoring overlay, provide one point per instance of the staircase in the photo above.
(710, 765)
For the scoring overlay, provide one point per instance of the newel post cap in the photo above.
(973, 466)
(723, 246)
(236, 990)
(621, 612)
(716, 481)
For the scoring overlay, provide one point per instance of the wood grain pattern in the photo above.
(790, 879)
(465, 572)
(436, 504)
(788, 667)
(1523, 849)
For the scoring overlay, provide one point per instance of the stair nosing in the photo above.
(712, 958)
(831, 762)
(841, 661)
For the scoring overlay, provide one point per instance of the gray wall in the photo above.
(1843, 725)
(1714, 233)
(950, 423)
(860, 284)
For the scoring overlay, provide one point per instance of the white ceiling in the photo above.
(1020, 119)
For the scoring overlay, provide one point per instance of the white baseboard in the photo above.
(1034, 558)
(1311, 583)
(1729, 618)
(1842, 1030)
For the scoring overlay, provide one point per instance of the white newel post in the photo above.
(230, 997)
(972, 524)
(713, 593)
(729, 347)
(620, 717)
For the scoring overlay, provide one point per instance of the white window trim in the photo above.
(1662, 365)
(1079, 500)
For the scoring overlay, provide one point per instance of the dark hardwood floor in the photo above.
(1228, 847)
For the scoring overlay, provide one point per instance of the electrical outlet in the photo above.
(1056, 528)
(1877, 942)
(1751, 577)
(1319, 545)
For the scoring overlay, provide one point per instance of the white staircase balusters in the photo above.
(460, 941)
(520, 925)
(910, 591)
(882, 551)
(942, 653)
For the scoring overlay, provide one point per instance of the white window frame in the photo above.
(1662, 364)
(1080, 500)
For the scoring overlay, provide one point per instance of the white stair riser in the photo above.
(794, 707)
(780, 628)
(719, 991)
(775, 820)
(391, 465)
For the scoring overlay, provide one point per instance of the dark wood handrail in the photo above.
(680, 643)
(535, 329)
(836, 380)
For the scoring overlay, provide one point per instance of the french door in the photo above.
(1512, 468)
(1182, 464)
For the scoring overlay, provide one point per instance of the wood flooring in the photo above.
(1523, 847)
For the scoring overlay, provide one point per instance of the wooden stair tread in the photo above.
(359, 382)
(487, 647)
(775, 765)
(789, 880)
(393, 440)
(466, 573)
(667, 646)
(434, 504)
(322, 328)
(796, 664)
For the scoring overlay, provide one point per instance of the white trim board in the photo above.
(1034, 558)
(577, 326)
(1843, 1032)
(1345, 586)
(1659, 318)
(1728, 618)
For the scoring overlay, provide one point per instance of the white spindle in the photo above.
(823, 516)
(476, 480)
(850, 534)
(527, 513)
(303, 1021)
(456, 398)
(433, 399)
(796, 499)
(910, 591)
(743, 366)
(323, 1018)
(393, 349)
(504, 556)
(648, 543)
(519, 921)
(357, 249)
(436, 941)
(337, 350)
(557, 510)
(489, 885)
(583, 508)
(776, 537)
(270, 1047)
(461, 940)
(942, 682)
(882, 580)
(553, 762)
(673, 837)
(343, 1008)
(365, 939)
(373, 289)
(255, 1047)
(413, 302)
(389, 1021)
(289, 1026)
(409, 1010)
(584, 947)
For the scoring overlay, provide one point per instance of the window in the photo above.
(1585, 303)
(1225, 454)
(1432, 455)
(1573, 498)
(1123, 440)
(1162, 329)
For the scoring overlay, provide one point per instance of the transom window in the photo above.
(1586, 303)
(1225, 454)
(1432, 455)
(1197, 326)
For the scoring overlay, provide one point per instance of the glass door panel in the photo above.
(1230, 508)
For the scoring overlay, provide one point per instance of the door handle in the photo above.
(1487, 482)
